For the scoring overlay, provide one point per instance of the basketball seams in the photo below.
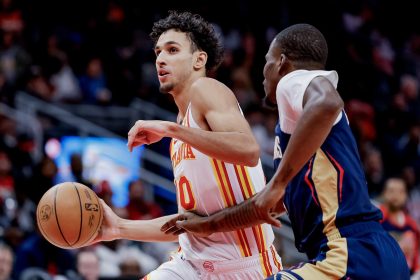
(56, 230)
(81, 213)
(101, 212)
(40, 224)
(56, 217)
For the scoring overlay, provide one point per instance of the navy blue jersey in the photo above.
(329, 192)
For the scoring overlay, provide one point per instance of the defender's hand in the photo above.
(188, 222)
(269, 204)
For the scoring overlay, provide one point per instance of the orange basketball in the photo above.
(69, 215)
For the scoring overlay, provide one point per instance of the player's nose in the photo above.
(160, 59)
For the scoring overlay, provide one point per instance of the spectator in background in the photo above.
(14, 59)
(93, 83)
(88, 265)
(10, 17)
(408, 147)
(114, 253)
(139, 208)
(76, 166)
(36, 251)
(374, 170)
(38, 85)
(6, 261)
(398, 222)
(104, 191)
(65, 85)
(44, 178)
(130, 268)
(6, 178)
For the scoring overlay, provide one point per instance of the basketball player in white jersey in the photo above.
(214, 156)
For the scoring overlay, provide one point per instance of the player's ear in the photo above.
(281, 62)
(200, 60)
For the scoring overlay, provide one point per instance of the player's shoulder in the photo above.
(206, 84)
(208, 89)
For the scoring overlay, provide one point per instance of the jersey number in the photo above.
(186, 195)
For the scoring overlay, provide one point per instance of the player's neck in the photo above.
(182, 100)
(183, 96)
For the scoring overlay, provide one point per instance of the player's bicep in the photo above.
(219, 107)
(227, 119)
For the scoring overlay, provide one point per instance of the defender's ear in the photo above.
(281, 63)
(200, 60)
(284, 65)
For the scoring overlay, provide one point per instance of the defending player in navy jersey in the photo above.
(319, 177)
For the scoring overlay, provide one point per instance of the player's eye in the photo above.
(173, 50)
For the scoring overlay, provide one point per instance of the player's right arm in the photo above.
(224, 133)
(114, 227)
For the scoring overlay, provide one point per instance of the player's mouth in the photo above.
(163, 74)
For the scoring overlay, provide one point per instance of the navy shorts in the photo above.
(361, 251)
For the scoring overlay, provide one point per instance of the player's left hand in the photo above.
(146, 132)
(269, 204)
(187, 222)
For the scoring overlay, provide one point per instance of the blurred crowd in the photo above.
(98, 52)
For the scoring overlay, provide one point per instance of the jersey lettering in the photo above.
(186, 195)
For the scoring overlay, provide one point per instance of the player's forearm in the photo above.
(145, 230)
(233, 147)
(239, 216)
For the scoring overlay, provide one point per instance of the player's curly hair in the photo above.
(303, 43)
(201, 33)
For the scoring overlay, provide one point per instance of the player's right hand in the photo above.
(146, 132)
(187, 222)
(109, 229)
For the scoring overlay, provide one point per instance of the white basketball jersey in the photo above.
(207, 185)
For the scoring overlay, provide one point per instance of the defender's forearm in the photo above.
(239, 216)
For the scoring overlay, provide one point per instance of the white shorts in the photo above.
(253, 267)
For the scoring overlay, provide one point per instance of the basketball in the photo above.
(69, 215)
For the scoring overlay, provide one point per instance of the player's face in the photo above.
(173, 60)
(271, 72)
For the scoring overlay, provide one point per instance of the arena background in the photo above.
(75, 75)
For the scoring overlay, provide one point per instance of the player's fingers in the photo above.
(179, 231)
(272, 220)
(181, 224)
(137, 140)
(130, 143)
(166, 226)
(170, 224)
(137, 143)
(172, 229)
(132, 134)
(103, 203)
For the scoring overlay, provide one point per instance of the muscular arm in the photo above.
(114, 227)
(225, 134)
(321, 106)
(230, 138)
(145, 230)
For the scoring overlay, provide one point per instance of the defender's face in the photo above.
(271, 72)
(174, 59)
